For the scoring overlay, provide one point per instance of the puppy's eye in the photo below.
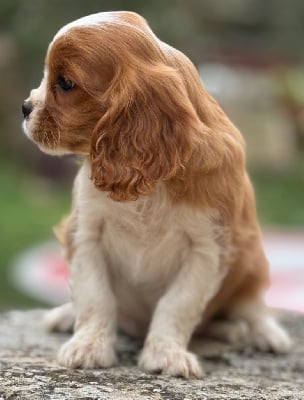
(65, 84)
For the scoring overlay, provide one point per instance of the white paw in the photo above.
(87, 351)
(172, 360)
(268, 335)
(60, 319)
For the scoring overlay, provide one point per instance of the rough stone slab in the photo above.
(28, 369)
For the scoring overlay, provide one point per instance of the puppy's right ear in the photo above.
(146, 134)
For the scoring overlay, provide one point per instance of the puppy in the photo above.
(162, 236)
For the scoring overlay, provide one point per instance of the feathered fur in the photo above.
(163, 235)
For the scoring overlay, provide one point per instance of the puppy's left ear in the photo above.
(145, 135)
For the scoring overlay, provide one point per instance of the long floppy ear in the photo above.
(145, 136)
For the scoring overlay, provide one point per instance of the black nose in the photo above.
(27, 108)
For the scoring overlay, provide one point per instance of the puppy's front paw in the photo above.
(162, 357)
(267, 335)
(87, 352)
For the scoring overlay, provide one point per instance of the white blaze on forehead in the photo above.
(110, 17)
(90, 20)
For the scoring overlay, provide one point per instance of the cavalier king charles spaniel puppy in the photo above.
(162, 239)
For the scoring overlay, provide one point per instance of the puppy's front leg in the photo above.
(93, 343)
(177, 314)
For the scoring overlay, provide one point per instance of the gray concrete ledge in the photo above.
(28, 369)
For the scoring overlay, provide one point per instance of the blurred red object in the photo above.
(42, 273)
(285, 252)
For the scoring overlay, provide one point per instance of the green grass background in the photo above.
(30, 207)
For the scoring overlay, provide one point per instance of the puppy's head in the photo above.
(109, 91)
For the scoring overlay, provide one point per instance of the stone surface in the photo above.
(28, 369)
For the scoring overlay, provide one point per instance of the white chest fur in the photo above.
(146, 241)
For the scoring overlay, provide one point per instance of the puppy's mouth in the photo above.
(44, 144)
(29, 117)
(32, 124)
(25, 127)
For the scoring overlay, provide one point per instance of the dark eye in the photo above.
(65, 84)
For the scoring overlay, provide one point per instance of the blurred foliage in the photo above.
(35, 189)
(292, 98)
(255, 32)
(30, 207)
(280, 197)
(202, 28)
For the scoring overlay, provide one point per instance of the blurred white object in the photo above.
(42, 273)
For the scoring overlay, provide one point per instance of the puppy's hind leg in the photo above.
(60, 319)
(265, 333)
(226, 331)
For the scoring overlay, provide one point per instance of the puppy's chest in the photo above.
(141, 222)
(144, 239)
